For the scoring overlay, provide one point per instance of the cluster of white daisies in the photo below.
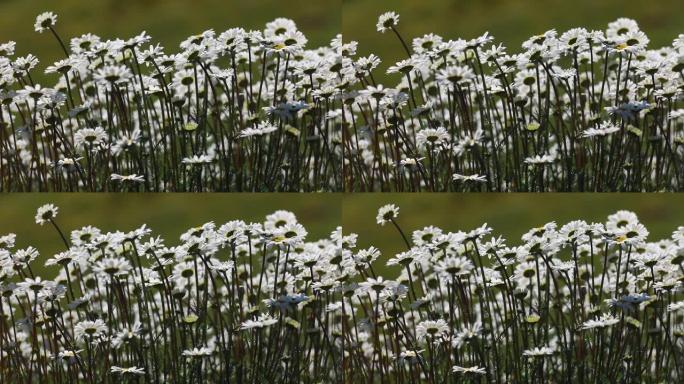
(579, 301)
(227, 301)
(238, 110)
(580, 110)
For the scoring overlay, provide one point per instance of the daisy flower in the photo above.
(46, 213)
(127, 371)
(539, 352)
(475, 370)
(90, 330)
(469, 178)
(386, 21)
(45, 21)
(386, 214)
(198, 353)
(132, 178)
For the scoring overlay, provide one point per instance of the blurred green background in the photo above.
(510, 215)
(168, 215)
(167, 21)
(509, 21)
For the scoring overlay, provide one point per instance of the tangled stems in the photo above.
(577, 111)
(124, 306)
(235, 111)
(579, 302)
(258, 302)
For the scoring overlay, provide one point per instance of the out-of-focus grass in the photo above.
(509, 21)
(168, 215)
(167, 21)
(510, 215)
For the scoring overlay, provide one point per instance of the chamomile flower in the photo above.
(469, 178)
(386, 214)
(475, 370)
(259, 130)
(387, 20)
(603, 321)
(46, 213)
(539, 160)
(45, 21)
(198, 160)
(539, 352)
(133, 370)
(198, 352)
(431, 138)
(132, 178)
(431, 330)
(90, 137)
(112, 266)
(604, 129)
(68, 354)
(261, 322)
(88, 330)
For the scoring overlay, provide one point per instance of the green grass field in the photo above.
(510, 215)
(509, 21)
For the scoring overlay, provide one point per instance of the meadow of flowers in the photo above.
(234, 302)
(258, 111)
(259, 302)
(573, 303)
(238, 110)
(579, 110)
